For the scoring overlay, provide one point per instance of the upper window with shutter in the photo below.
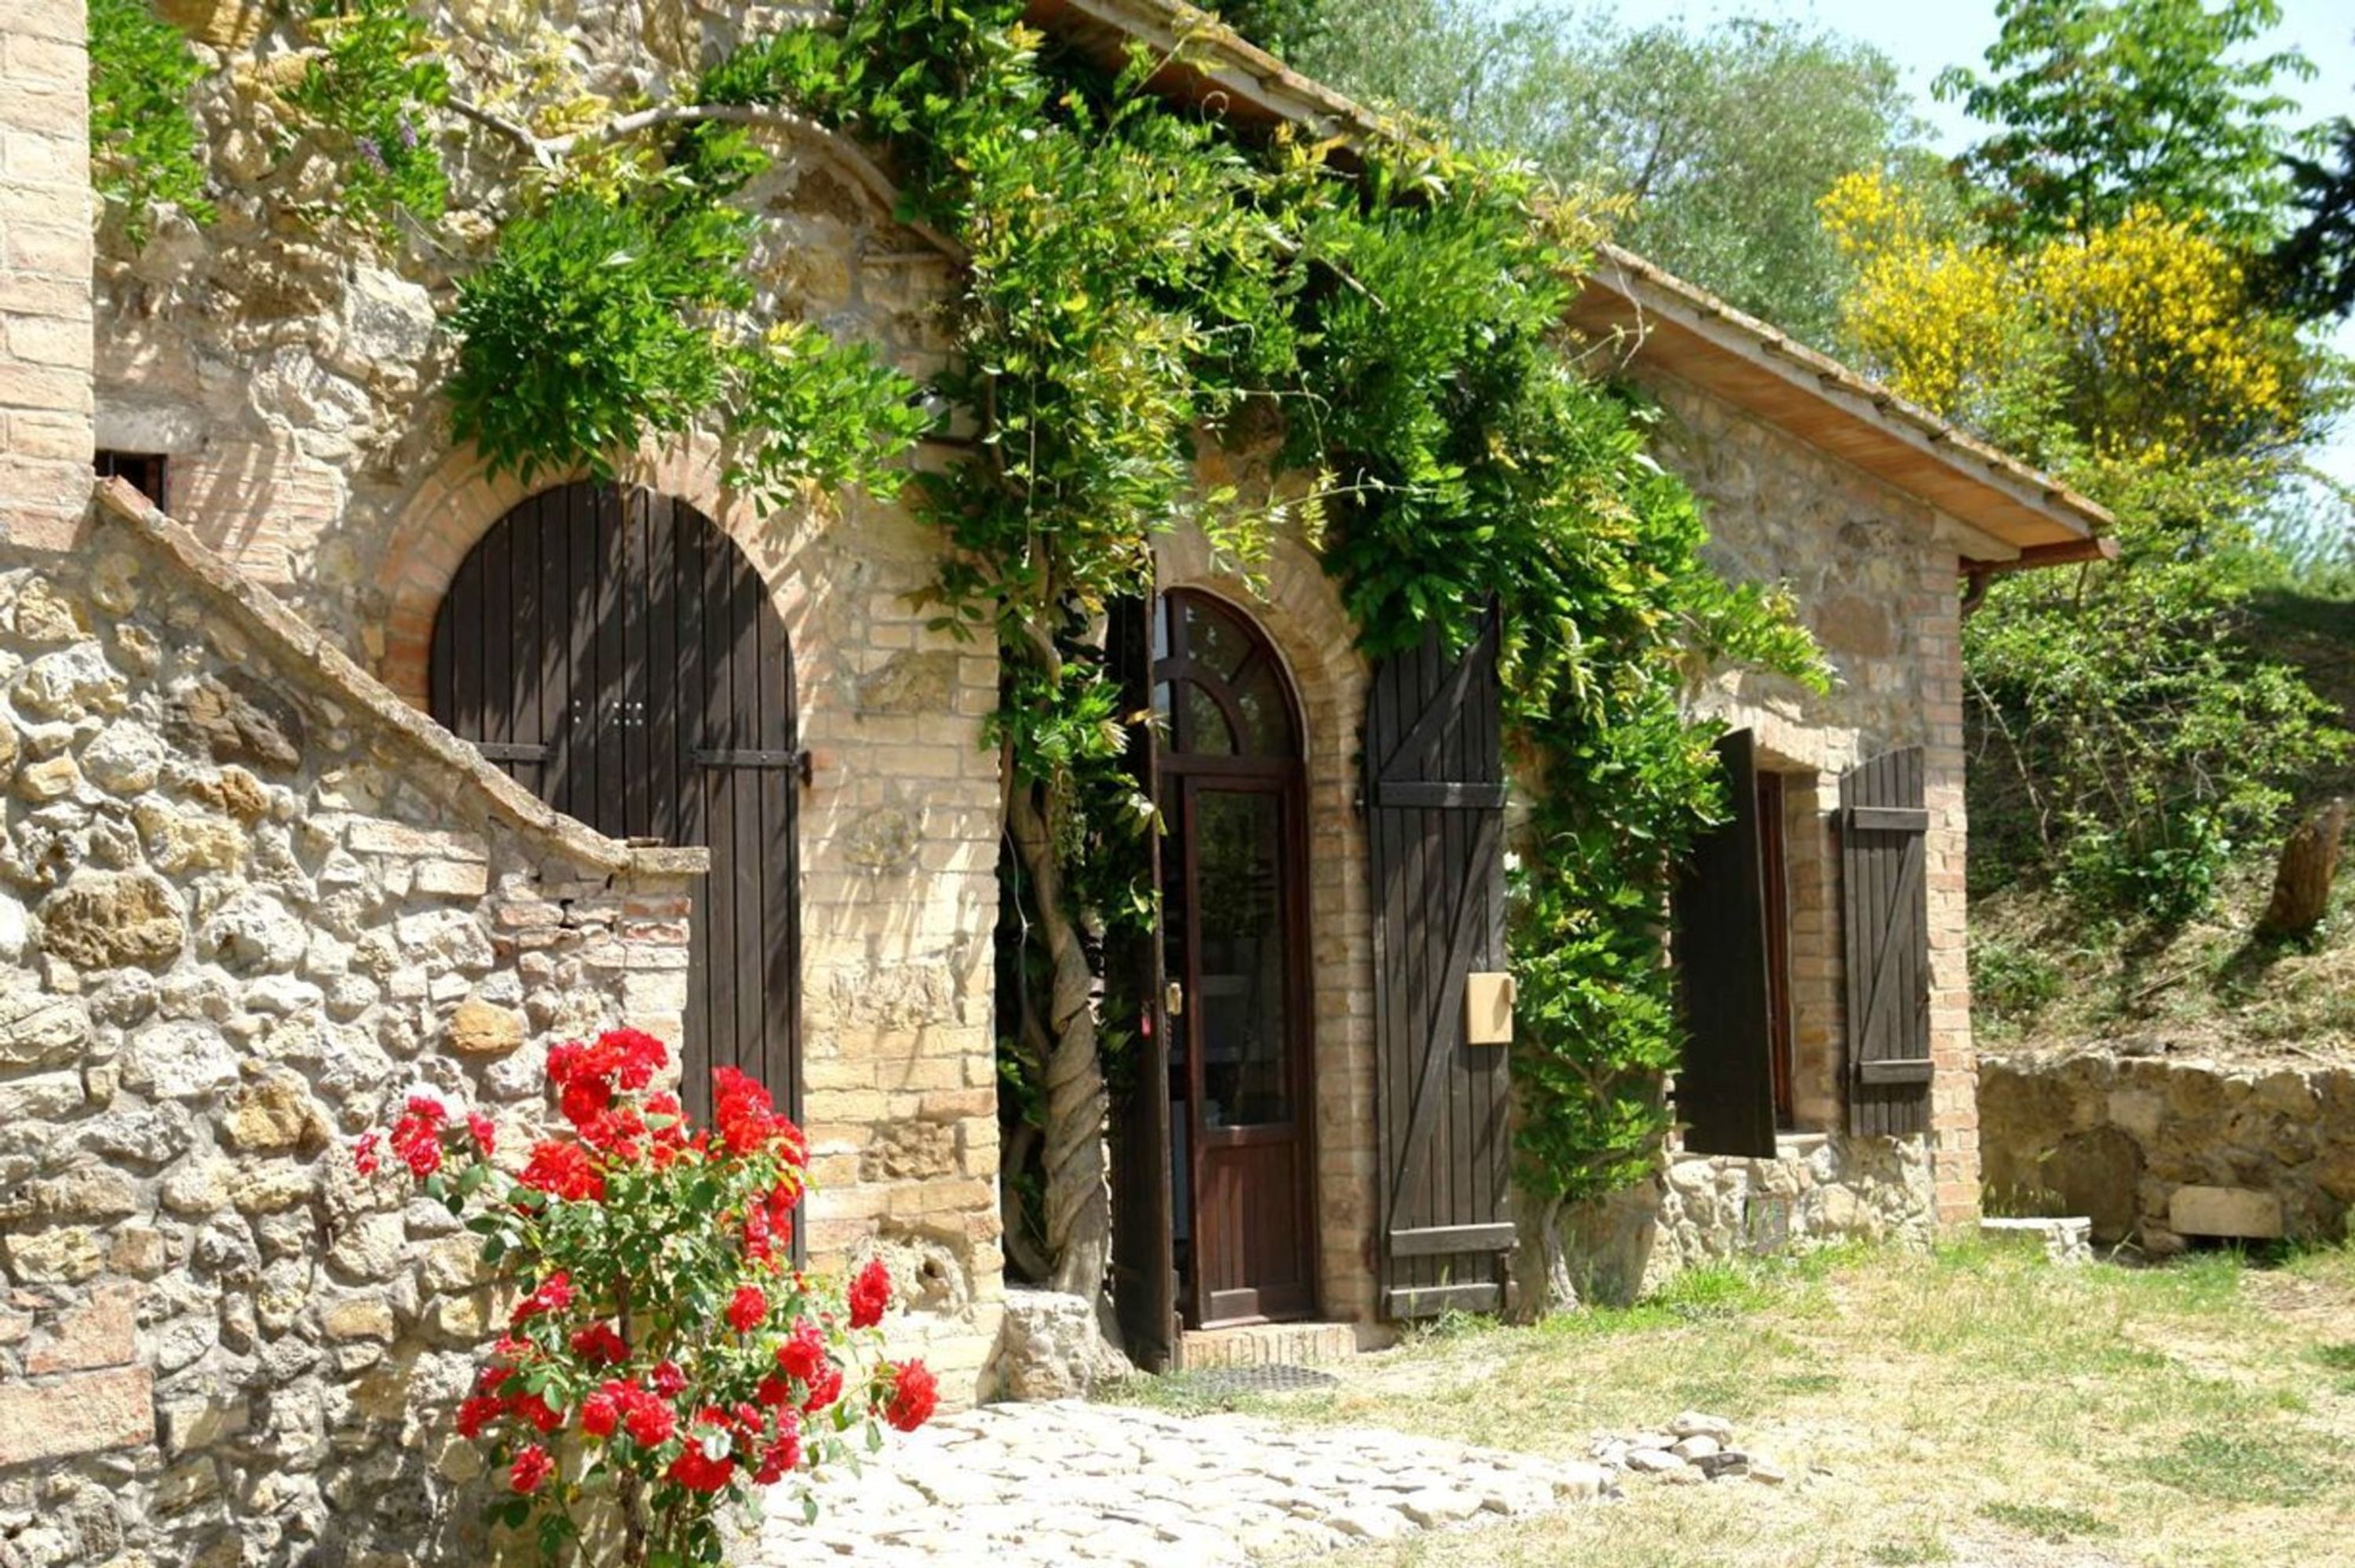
(1733, 942)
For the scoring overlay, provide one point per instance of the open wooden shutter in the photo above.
(1885, 905)
(1144, 1283)
(1725, 1089)
(1435, 808)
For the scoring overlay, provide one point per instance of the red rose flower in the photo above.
(417, 1136)
(564, 1171)
(600, 1413)
(600, 1344)
(783, 1454)
(648, 1419)
(915, 1394)
(532, 1467)
(554, 1294)
(667, 1380)
(365, 1158)
(870, 1292)
(699, 1472)
(824, 1389)
(747, 1310)
(538, 1412)
(773, 1391)
(804, 1352)
(477, 1413)
(484, 1134)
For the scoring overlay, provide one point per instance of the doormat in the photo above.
(1273, 1378)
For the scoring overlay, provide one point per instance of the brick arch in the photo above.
(1301, 614)
(461, 499)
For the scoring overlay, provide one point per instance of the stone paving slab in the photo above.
(1014, 1486)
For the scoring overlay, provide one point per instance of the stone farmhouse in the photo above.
(336, 764)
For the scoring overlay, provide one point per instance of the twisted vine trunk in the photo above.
(1079, 1197)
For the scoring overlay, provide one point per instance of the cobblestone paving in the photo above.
(1015, 1486)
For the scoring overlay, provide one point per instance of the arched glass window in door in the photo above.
(1235, 934)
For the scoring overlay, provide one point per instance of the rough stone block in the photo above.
(2237, 1212)
(100, 1332)
(88, 1412)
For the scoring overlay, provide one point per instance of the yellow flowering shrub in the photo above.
(2136, 344)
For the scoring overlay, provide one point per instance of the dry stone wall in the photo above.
(289, 363)
(248, 901)
(1707, 1208)
(2162, 1152)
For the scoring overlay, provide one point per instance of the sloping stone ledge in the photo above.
(260, 615)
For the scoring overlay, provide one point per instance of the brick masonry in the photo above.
(45, 266)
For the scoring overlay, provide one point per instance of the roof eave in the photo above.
(2014, 514)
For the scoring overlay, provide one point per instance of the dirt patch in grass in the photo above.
(1967, 1407)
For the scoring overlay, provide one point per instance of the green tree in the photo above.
(1717, 143)
(2312, 271)
(2102, 107)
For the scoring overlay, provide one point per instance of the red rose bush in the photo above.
(664, 1357)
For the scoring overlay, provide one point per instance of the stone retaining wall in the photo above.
(2161, 1153)
(247, 901)
(1820, 1188)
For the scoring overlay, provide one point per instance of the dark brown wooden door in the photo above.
(1144, 1272)
(1235, 943)
(1884, 896)
(1435, 807)
(1725, 1086)
(616, 653)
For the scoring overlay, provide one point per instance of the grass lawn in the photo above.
(1969, 1407)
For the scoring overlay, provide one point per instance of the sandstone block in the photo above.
(70, 682)
(2237, 1212)
(103, 920)
(87, 1414)
(179, 1061)
(275, 1114)
(123, 759)
(358, 1317)
(254, 932)
(51, 779)
(233, 726)
(38, 1028)
(267, 1188)
(67, 1256)
(484, 1029)
(100, 1332)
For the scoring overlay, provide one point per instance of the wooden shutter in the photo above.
(1435, 807)
(1885, 909)
(1143, 1284)
(1725, 1089)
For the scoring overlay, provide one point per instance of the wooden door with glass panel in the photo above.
(1230, 781)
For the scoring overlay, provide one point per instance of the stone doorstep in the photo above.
(2064, 1240)
(1266, 1344)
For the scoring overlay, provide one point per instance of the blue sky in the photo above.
(1924, 36)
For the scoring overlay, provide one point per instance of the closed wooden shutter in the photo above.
(1144, 1282)
(1885, 910)
(619, 656)
(1435, 807)
(1725, 1089)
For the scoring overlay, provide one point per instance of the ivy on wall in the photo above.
(1137, 285)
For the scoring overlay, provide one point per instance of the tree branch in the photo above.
(546, 150)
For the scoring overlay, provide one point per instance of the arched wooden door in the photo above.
(1235, 945)
(616, 654)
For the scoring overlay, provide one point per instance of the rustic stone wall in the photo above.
(248, 902)
(291, 368)
(2159, 1153)
(44, 259)
(1873, 574)
(1820, 1189)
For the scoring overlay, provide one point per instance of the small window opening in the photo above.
(144, 469)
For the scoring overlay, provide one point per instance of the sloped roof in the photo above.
(2018, 516)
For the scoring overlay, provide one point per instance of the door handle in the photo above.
(1173, 999)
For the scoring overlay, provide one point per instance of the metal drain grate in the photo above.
(1273, 1378)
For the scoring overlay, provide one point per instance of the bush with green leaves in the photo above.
(143, 149)
(603, 322)
(371, 90)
